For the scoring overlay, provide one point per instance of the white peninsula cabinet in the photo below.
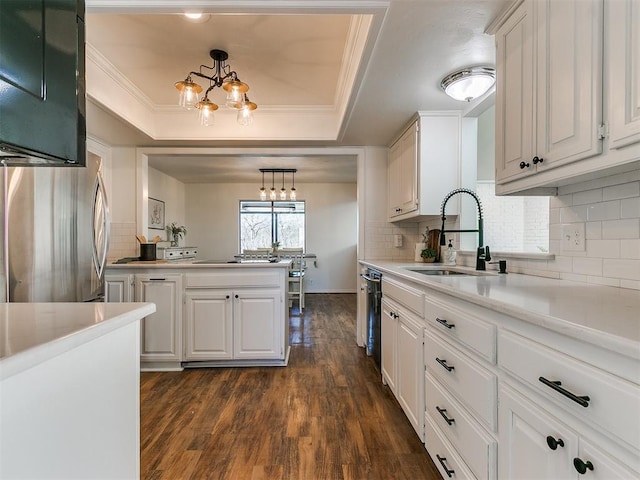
(518, 395)
(206, 316)
(161, 335)
(242, 323)
(551, 125)
(424, 165)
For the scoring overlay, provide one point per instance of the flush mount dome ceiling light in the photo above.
(223, 77)
(469, 83)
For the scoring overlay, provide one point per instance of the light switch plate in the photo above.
(573, 237)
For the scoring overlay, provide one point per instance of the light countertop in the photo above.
(32, 333)
(605, 316)
(199, 264)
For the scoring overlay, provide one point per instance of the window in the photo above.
(263, 223)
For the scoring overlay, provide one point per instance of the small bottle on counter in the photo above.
(450, 255)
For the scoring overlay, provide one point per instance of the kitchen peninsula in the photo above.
(209, 313)
(69, 390)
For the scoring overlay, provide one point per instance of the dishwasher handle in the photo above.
(369, 279)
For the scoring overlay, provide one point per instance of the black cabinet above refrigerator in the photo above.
(42, 82)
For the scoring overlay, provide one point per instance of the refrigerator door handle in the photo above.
(100, 225)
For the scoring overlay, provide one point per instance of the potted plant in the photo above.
(176, 232)
(429, 255)
(274, 246)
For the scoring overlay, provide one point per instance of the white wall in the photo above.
(212, 212)
(172, 193)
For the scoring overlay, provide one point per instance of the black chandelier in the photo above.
(283, 191)
(223, 77)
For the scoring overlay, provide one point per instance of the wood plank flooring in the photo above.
(326, 416)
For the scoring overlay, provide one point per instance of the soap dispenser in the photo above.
(450, 254)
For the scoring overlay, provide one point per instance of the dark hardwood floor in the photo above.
(325, 416)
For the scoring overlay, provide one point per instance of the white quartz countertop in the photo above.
(200, 264)
(605, 316)
(32, 333)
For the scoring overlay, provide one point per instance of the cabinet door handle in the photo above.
(582, 467)
(157, 279)
(443, 412)
(228, 296)
(537, 160)
(444, 364)
(556, 385)
(446, 470)
(553, 443)
(442, 321)
(523, 165)
(236, 295)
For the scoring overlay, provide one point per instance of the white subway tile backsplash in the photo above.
(573, 214)
(630, 208)
(626, 228)
(593, 230)
(588, 196)
(630, 248)
(603, 248)
(587, 266)
(624, 190)
(610, 282)
(603, 211)
(623, 269)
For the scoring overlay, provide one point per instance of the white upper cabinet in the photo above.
(424, 165)
(514, 95)
(623, 48)
(549, 87)
(568, 93)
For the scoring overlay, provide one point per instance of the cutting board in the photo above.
(433, 241)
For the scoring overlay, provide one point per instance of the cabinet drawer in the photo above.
(408, 297)
(473, 444)
(466, 328)
(449, 464)
(233, 279)
(613, 403)
(473, 385)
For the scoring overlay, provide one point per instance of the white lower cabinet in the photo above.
(230, 325)
(161, 339)
(209, 325)
(118, 288)
(388, 342)
(402, 365)
(535, 444)
(501, 398)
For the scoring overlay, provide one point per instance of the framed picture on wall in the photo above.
(156, 214)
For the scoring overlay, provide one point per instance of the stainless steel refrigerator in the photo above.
(55, 233)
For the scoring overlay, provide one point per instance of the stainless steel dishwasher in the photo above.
(374, 313)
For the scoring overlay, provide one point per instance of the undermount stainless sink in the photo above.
(448, 271)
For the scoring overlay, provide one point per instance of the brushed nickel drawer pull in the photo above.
(444, 364)
(556, 385)
(442, 321)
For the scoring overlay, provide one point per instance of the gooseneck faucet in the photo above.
(482, 254)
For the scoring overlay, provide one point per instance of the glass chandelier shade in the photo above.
(222, 77)
(263, 192)
(469, 83)
(272, 192)
(189, 92)
(206, 109)
(245, 112)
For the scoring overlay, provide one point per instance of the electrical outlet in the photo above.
(573, 237)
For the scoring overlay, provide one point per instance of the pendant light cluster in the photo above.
(223, 77)
(273, 194)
